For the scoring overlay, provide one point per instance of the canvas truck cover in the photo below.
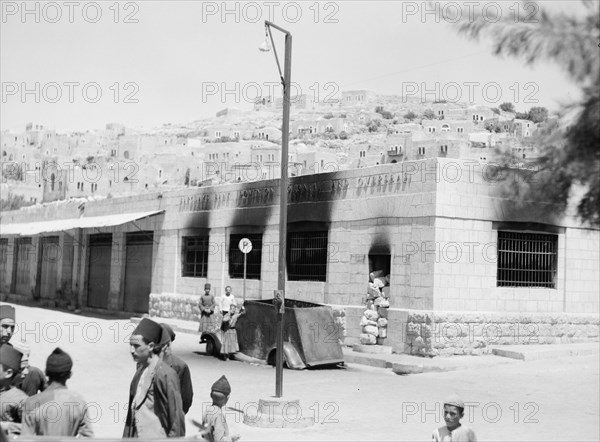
(309, 327)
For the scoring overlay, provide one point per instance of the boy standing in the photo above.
(454, 431)
(68, 410)
(213, 419)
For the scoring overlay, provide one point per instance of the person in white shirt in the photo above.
(454, 431)
(227, 300)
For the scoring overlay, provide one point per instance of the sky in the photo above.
(79, 65)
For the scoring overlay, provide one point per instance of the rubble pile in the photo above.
(374, 319)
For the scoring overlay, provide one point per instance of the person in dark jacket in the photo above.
(177, 364)
(155, 409)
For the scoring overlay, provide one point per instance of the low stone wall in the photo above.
(172, 305)
(426, 333)
(472, 333)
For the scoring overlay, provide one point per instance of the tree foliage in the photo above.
(568, 165)
(507, 107)
(13, 202)
(429, 114)
(538, 114)
(410, 115)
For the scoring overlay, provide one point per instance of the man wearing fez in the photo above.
(68, 410)
(11, 398)
(7, 323)
(31, 379)
(177, 364)
(214, 422)
(155, 408)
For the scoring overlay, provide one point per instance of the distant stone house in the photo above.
(312, 161)
(357, 97)
(448, 111)
(523, 128)
(418, 146)
(299, 102)
(268, 133)
(312, 127)
(231, 132)
(479, 114)
(457, 127)
(263, 103)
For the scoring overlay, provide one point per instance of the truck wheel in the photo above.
(210, 347)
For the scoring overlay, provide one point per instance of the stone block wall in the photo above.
(171, 305)
(470, 333)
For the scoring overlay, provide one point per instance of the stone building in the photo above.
(468, 267)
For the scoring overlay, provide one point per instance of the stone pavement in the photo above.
(403, 364)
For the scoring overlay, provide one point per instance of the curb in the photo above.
(545, 353)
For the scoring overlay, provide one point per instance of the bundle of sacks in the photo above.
(374, 319)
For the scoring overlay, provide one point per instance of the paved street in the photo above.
(541, 400)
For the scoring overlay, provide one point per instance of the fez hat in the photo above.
(454, 400)
(7, 312)
(207, 286)
(10, 357)
(23, 347)
(167, 334)
(59, 362)
(222, 386)
(150, 330)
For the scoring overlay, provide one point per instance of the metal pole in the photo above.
(244, 289)
(283, 203)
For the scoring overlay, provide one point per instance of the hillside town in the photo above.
(357, 130)
(381, 259)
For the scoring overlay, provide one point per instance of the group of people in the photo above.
(27, 394)
(160, 393)
(220, 315)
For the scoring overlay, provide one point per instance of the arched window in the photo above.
(52, 180)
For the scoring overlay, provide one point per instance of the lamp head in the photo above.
(265, 46)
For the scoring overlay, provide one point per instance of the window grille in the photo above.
(527, 259)
(236, 257)
(195, 256)
(307, 256)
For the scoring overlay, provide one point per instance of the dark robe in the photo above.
(167, 406)
(185, 379)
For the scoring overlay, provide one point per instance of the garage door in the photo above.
(100, 247)
(49, 275)
(23, 267)
(138, 271)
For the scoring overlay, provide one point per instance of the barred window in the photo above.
(307, 256)
(527, 259)
(253, 259)
(195, 256)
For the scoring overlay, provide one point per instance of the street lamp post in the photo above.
(283, 194)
